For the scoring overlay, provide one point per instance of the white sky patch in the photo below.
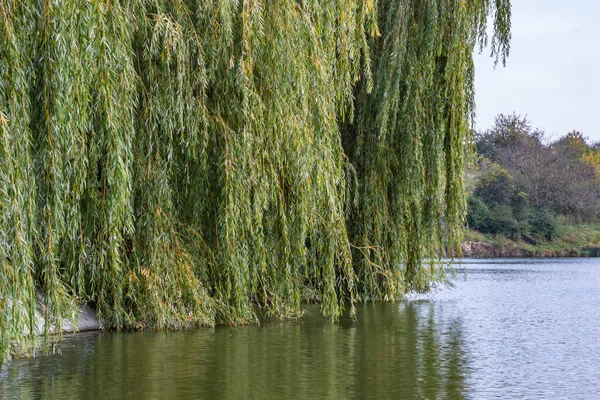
(552, 72)
(543, 24)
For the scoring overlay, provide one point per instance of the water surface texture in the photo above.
(506, 329)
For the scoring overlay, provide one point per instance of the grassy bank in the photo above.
(569, 241)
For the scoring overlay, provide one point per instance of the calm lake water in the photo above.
(506, 329)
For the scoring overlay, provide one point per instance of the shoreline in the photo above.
(484, 249)
(581, 240)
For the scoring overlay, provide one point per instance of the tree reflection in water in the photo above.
(406, 350)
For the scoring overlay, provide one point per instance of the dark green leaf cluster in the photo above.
(497, 207)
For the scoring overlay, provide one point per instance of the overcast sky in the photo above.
(553, 72)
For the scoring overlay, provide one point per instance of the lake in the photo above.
(506, 328)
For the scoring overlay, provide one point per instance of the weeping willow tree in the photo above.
(179, 162)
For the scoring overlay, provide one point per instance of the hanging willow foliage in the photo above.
(177, 162)
(408, 142)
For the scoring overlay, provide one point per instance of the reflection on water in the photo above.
(400, 350)
(505, 329)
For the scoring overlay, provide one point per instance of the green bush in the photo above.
(478, 214)
(496, 207)
(520, 206)
(496, 188)
(503, 222)
(494, 219)
(543, 222)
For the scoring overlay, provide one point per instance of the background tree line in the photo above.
(523, 183)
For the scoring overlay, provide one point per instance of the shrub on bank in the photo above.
(498, 208)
